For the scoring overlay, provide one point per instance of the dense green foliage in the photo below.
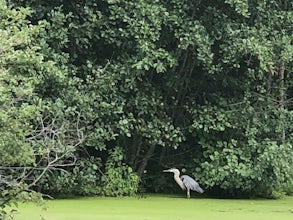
(117, 90)
(19, 107)
(86, 178)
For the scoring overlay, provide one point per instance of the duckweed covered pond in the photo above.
(159, 207)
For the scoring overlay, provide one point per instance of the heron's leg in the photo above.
(188, 193)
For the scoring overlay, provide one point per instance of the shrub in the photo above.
(120, 180)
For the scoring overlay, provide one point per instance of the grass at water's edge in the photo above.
(158, 207)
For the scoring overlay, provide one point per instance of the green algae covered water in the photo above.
(158, 207)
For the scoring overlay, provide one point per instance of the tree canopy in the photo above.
(111, 92)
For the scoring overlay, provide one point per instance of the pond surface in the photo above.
(158, 207)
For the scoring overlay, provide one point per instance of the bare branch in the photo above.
(54, 143)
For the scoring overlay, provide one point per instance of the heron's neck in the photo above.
(179, 181)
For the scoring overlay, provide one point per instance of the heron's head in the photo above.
(172, 170)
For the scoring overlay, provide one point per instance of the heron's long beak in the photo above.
(167, 171)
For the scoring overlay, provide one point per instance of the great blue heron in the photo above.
(185, 182)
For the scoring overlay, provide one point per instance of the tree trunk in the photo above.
(145, 160)
(282, 98)
(162, 155)
(135, 149)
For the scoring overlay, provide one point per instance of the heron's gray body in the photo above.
(185, 182)
(190, 183)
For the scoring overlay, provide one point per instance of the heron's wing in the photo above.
(191, 183)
